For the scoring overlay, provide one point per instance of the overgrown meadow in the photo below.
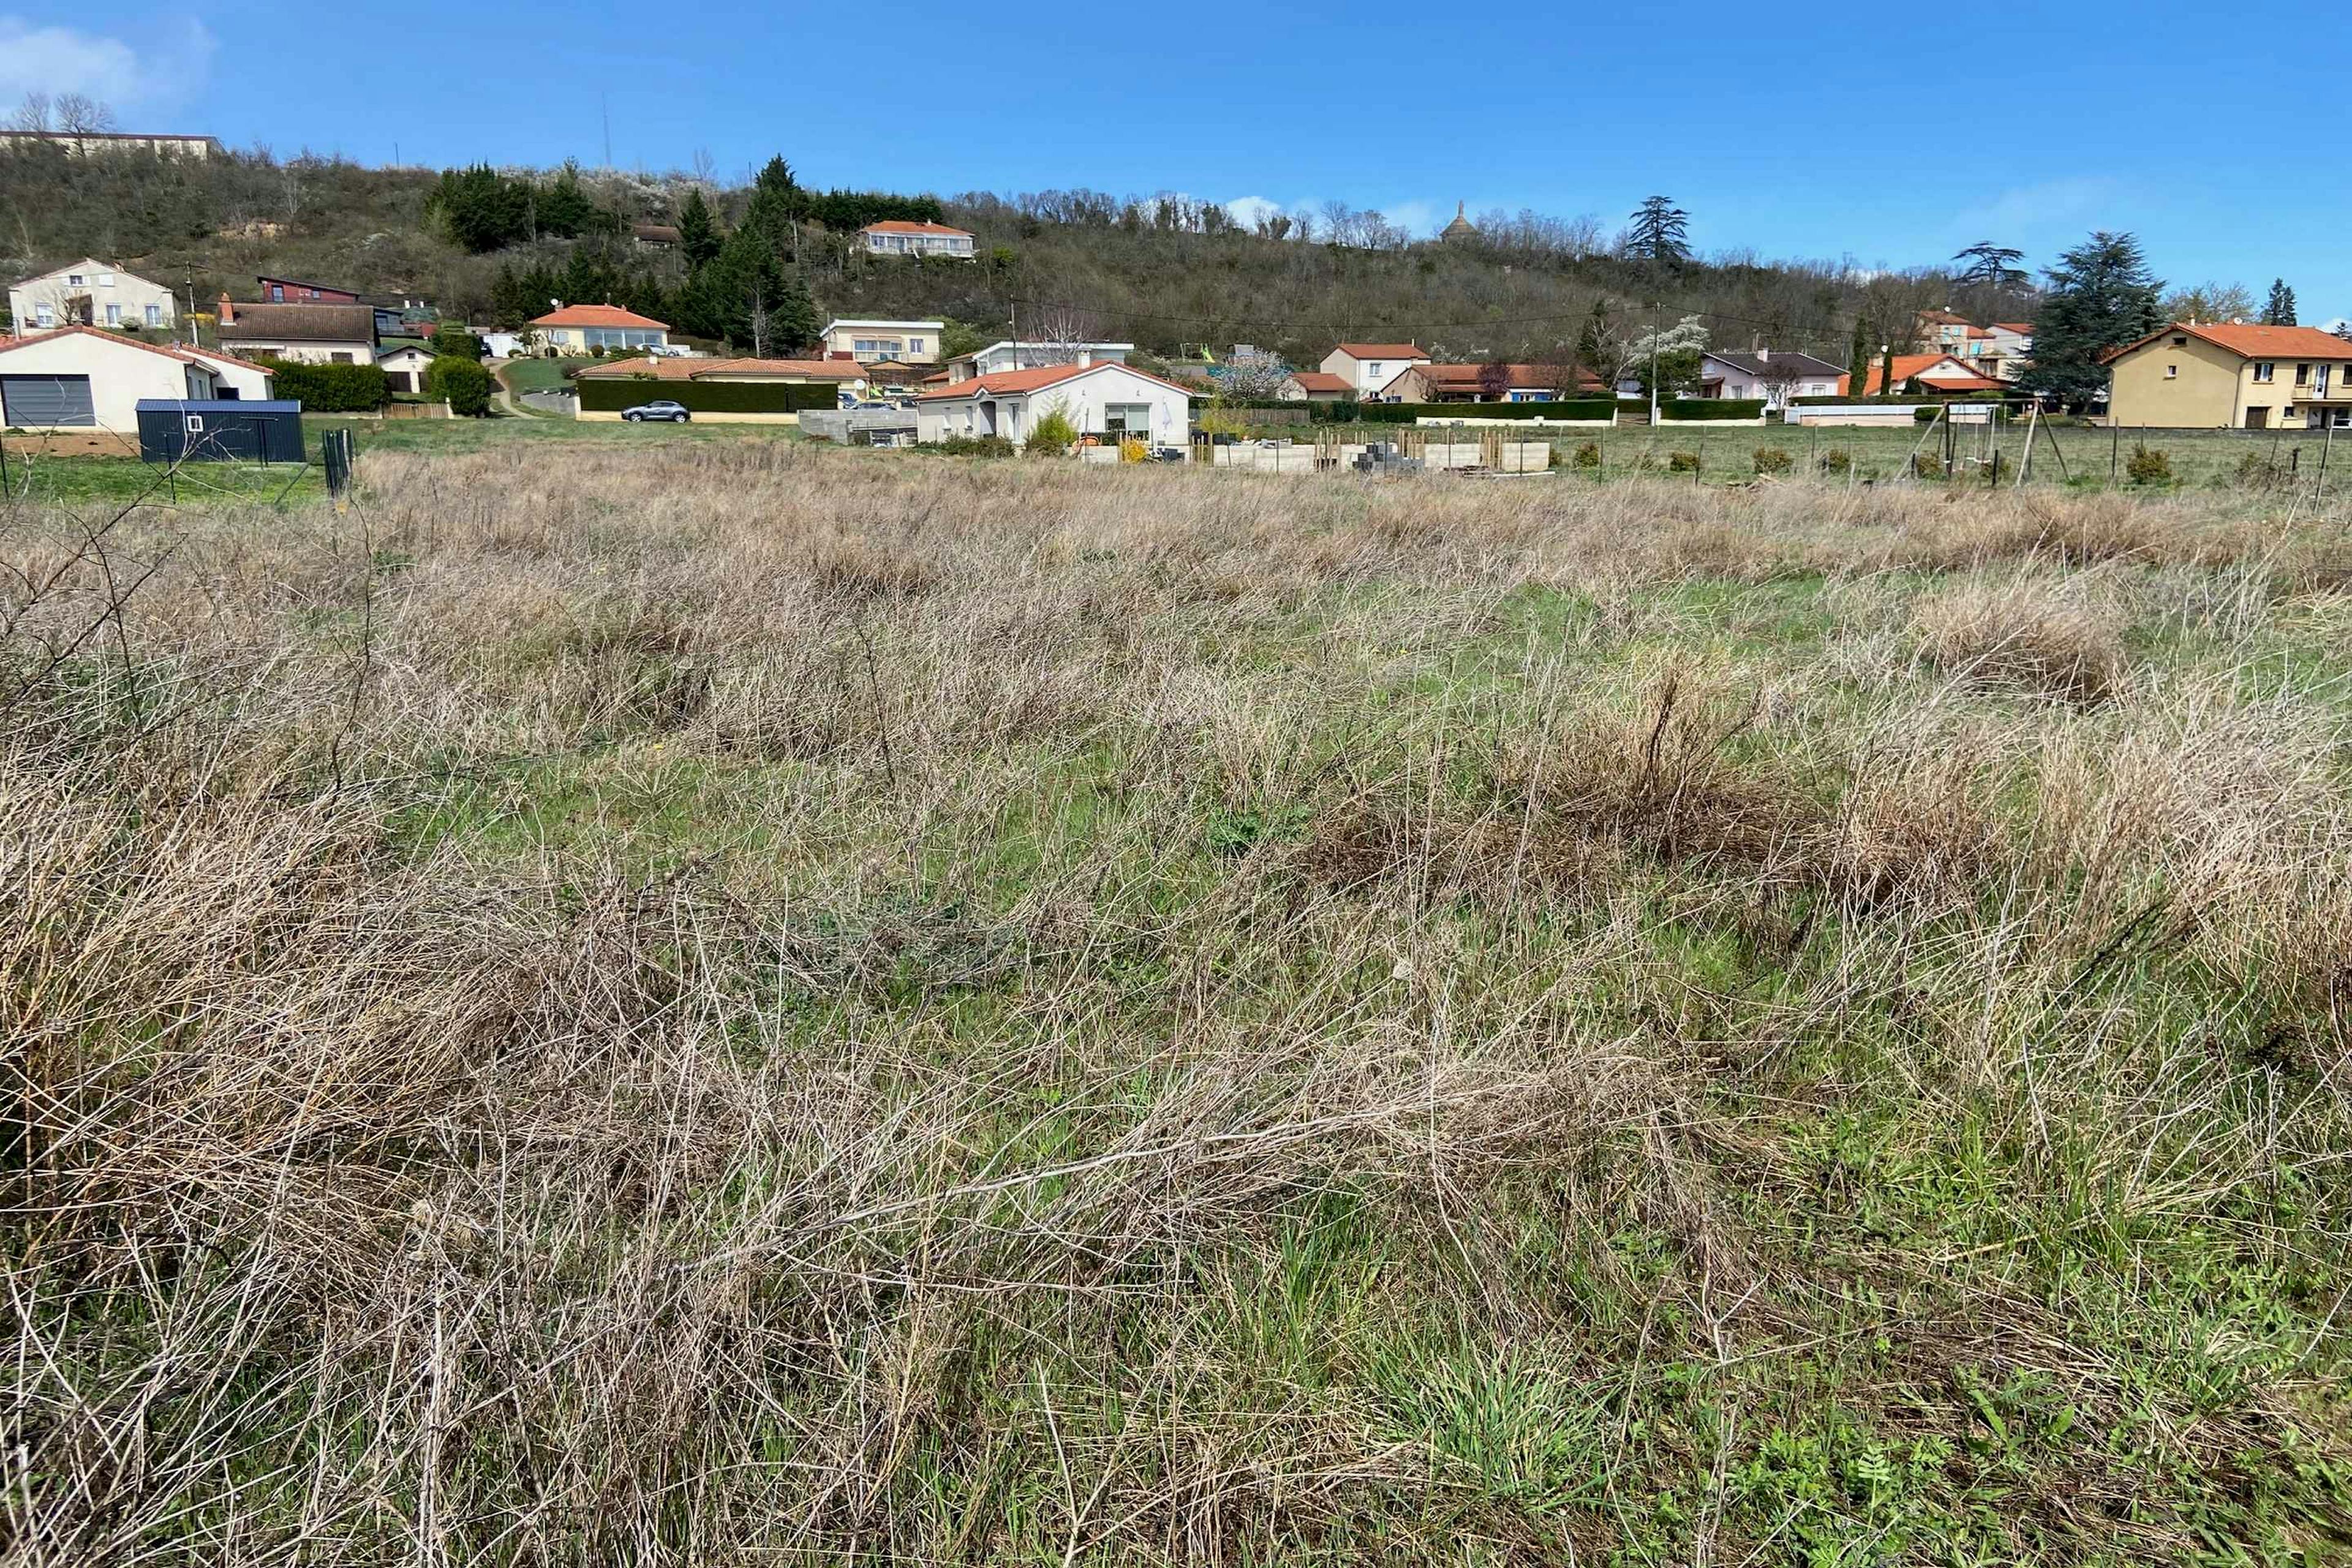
(744, 1003)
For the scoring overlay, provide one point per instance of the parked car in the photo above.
(660, 408)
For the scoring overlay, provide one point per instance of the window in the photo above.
(2180, 342)
(154, 315)
(2264, 369)
(113, 314)
(913, 345)
(106, 280)
(44, 316)
(1129, 418)
(73, 279)
(277, 292)
(2172, 373)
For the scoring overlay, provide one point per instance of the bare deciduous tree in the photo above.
(33, 114)
(77, 114)
(1057, 333)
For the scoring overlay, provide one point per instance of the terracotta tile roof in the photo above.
(2022, 329)
(901, 225)
(1959, 378)
(169, 350)
(998, 383)
(2250, 342)
(1317, 381)
(1383, 351)
(672, 368)
(596, 316)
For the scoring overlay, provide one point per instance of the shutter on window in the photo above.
(46, 400)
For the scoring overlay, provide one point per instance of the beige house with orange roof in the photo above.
(2231, 376)
(1367, 367)
(576, 329)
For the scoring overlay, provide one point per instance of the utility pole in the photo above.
(1653, 364)
(604, 103)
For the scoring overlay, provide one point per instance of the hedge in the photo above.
(1711, 408)
(611, 394)
(1348, 411)
(329, 388)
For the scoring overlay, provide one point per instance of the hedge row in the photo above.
(1711, 408)
(1345, 413)
(611, 394)
(329, 388)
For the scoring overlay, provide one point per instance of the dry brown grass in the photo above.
(739, 1000)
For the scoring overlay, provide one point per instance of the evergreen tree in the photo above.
(482, 209)
(2279, 311)
(1857, 359)
(1660, 232)
(698, 235)
(750, 297)
(1991, 266)
(2101, 297)
(564, 208)
(1887, 369)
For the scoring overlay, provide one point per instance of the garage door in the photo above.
(27, 400)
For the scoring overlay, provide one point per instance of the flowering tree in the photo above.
(1251, 373)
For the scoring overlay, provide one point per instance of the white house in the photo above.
(870, 341)
(897, 237)
(1773, 374)
(315, 334)
(403, 367)
(576, 329)
(1103, 399)
(1367, 367)
(85, 378)
(1009, 355)
(90, 293)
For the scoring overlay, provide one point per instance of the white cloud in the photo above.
(1250, 211)
(1414, 217)
(52, 59)
(2026, 206)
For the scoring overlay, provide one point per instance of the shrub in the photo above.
(2148, 465)
(329, 388)
(2256, 471)
(2024, 632)
(975, 446)
(463, 381)
(450, 339)
(1051, 435)
(1927, 465)
(1774, 460)
(1682, 462)
(1588, 455)
(1837, 461)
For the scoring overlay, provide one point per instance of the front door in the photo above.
(2258, 419)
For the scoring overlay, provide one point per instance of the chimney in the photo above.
(227, 308)
(1763, 355)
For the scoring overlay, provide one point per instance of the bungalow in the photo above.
(897, 237)
(873, 341)
(1773, 374)
(2232, 376)
(788, 372)
(1098, 399)
(82, 377)
(90, 293)
(1426, 383)
(317, 334)
(1315, 386)
(1931, 374)
(1367, 367)
(1009, 355)
(576, 329)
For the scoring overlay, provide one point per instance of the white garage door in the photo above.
(29, 400)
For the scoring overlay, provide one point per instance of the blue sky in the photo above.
(1891, 135)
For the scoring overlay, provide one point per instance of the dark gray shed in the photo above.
(173, 430)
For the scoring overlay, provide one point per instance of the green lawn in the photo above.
(539, 375)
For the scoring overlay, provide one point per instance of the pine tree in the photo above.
(750, 297)
(2279, 311)
(1887, 369)
(1857, 359)
(1660, 232)
(698, 235)
(2101, 297)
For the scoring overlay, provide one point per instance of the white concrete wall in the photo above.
(250, 381)
(358, 351)
(121, 373)
(1085, 399)
(128, 294)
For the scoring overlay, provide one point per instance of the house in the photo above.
(789, 372)
(895, 237)
(872, 342)
(315, 334)
(653, 235)
(1103, 399)
(403, 367)
(1367, 367)
(1427, 383)
(576, 329)
(2009, 349)
(85, 378)
(1773, 374)
(293, 292)
(1315, 386)
(1946, 331)
(1937, 375)
(90, 143)
(2191, 376)
(90, 293)
(1009, 355)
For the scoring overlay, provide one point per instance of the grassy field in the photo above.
(740, 1001)
(539, 375)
